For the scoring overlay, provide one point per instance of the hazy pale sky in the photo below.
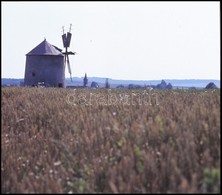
(120, 40)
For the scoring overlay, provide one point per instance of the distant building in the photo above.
(85, 80)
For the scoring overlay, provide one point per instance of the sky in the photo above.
(118, 40)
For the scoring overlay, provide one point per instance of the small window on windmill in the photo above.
(33, 74)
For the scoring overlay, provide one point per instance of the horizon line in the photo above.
(127, 79)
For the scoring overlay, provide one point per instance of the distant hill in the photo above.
(10, 81)
(78, 81)
(198, 83)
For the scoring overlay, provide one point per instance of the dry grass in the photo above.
(50, 146)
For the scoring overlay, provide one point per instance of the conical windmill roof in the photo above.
(45, 48)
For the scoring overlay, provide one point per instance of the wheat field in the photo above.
(110, 141)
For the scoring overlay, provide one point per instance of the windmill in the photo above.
(66, 39)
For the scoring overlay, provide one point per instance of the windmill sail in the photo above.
(66, 39)
(69, 68)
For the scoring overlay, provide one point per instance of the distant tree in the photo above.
(94, 85)
(133, 86)
(85, 80)
(120, 86)
(130, 86)
(192, 88)
(169, 86)
(107, 85)
(211, 85)
(162, 85)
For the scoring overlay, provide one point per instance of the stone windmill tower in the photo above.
(45, 64)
